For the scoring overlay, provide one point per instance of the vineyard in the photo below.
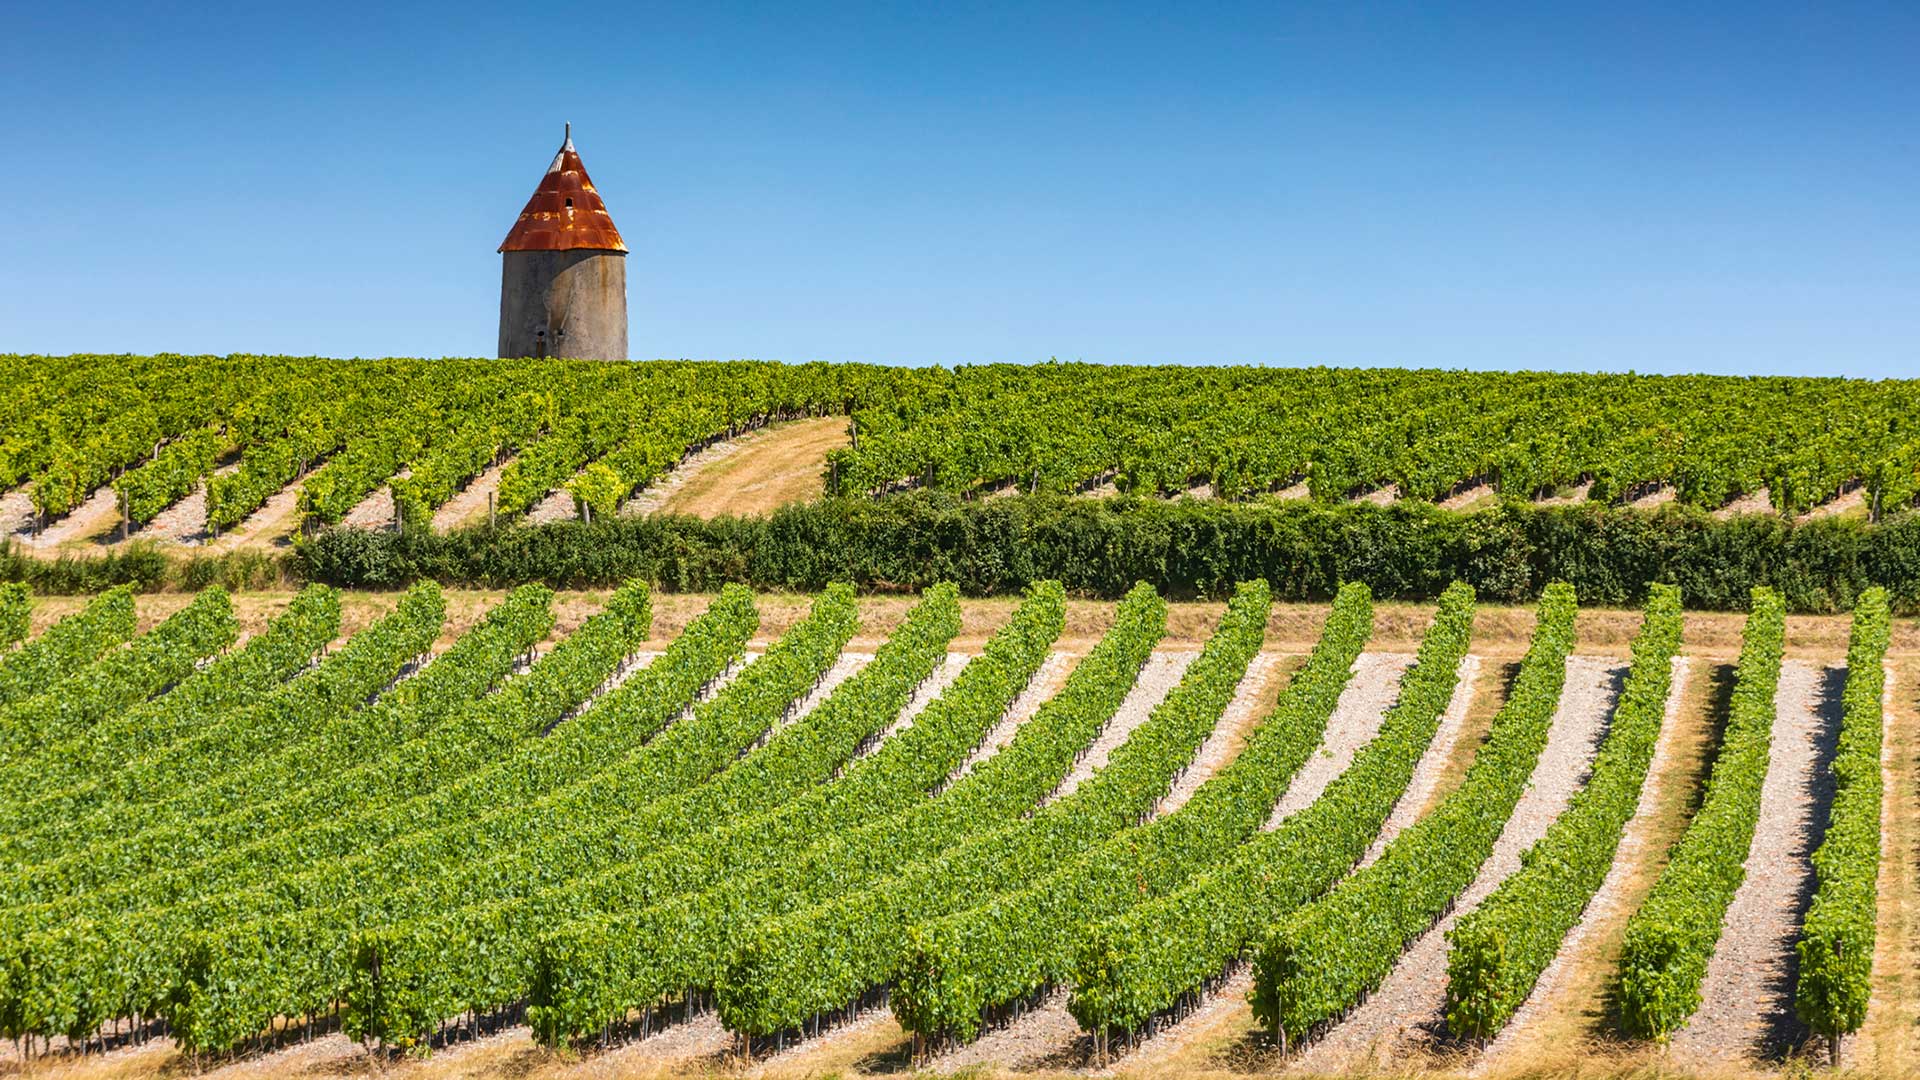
(341, 831)
(204, 449)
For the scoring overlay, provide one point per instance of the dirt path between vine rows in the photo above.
(1047, 681)
(376, 511)
(1615, 898)
(469, 505)
(271, 525)
(1048, 1035)
(1157, 678)
(1442, 756)
(1890, 1038)
(875, 1034)
(1220, 1025)
(1746, 1004)
(1406, 1009)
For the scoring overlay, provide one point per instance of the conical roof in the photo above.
(565, 213)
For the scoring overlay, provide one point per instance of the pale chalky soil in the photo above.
(1407, 1006)
(923, 696)
(1228, 1001)
(1605, 907)
(1046, 682)
(1356, 719)
(1746, 1004)
(1433, 763)
(1157, 678)
(469, 505)
(1252, 700)
(1048, 1033)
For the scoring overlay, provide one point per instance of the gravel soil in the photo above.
(469, 504)
(1048, 1034)
(655, 495)
(1046, 682)
(1158, 676)
(94, 518)
(1251, 702)
(1433, 763)
(1605, 908)
(1852, 499)
(1753, 502)
(1577, 494)
(846, 667)
(1659, 496)
(377, 510)
(1355, 721)
(276, 518)
(1746, 1006)
(1227, 1003)
(1467, 496)
(1407, 1006)
(557, 505)
(941, 678)
(185, 522)
(16, 513)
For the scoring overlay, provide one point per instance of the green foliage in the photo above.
(1670, 939)
(54, 980)
(1837, 938)
(16, 613)
(600, 489)
(435, 477)
(72, 776)
(961, 968)
(408, 962)
(1184, 548)
(1001, 788)
(1497, 951)
(1323, 958)
(1148, 959)
(67, 646)
(119, 679)
(307, 776)
(297, 951)
(829, 943)
(171, 475)
(606, 954)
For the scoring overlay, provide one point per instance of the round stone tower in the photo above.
(563, 271)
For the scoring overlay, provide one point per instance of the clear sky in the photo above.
(1665, 186)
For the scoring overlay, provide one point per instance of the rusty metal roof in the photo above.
(565, 213)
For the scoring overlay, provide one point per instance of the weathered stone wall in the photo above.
(577, 298)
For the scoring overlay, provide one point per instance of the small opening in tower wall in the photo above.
(569, 204)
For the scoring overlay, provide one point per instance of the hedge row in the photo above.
(1497, 951)
(1671, 938)
(1100, 547)
(1836, 941)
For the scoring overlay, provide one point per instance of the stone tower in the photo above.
(563, 271)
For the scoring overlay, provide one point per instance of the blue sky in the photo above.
(1661, 187)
